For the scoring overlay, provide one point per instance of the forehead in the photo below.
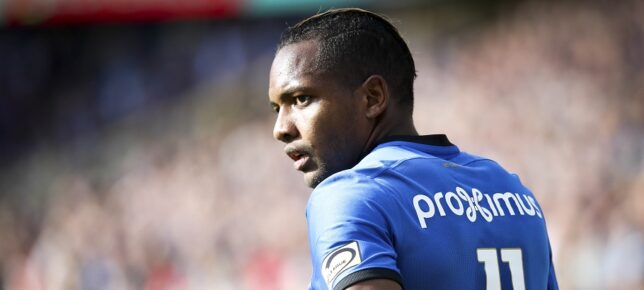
(293, 66)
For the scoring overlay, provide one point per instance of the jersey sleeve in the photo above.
(350, 233)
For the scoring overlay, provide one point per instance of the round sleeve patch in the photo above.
(338, 260)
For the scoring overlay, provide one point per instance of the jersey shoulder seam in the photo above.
(394, 165)
(477, 160)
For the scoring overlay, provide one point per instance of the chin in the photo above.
(324, 170)
(311, 181)
(313, 178)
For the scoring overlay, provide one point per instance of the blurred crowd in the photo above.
(143, 156)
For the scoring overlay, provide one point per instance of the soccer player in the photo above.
(391, 209)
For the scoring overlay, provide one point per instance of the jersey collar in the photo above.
(439, 140)
(433, 140)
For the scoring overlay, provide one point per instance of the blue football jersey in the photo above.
(419, 211)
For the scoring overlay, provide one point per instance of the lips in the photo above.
(300, 163)
(299, 156)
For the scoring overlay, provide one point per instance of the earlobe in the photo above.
(376, 95)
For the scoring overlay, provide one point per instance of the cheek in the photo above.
(310, 122)
(338, 131)
(332, 130)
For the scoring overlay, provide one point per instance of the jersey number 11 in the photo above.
(512, 256)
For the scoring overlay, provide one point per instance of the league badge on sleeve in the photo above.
(339, 260)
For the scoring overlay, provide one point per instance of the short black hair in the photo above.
(355, 44)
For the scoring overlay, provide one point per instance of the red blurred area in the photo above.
(55, 12)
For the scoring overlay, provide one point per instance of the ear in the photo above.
(375, 95)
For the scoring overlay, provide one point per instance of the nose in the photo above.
(284, 130)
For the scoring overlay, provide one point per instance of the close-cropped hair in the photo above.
(355, 44)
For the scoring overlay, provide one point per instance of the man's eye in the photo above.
(276, 109)
(302, 100)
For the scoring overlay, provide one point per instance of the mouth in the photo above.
(299, 157)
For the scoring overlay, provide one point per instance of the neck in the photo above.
(385, 127)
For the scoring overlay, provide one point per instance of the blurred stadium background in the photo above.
(136, 148)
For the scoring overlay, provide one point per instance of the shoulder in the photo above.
(369, 188)
(369, 178)
(366, 179)
(356, 195)
(347, 190)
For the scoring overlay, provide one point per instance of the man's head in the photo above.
(355, 44)
(339, 81)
